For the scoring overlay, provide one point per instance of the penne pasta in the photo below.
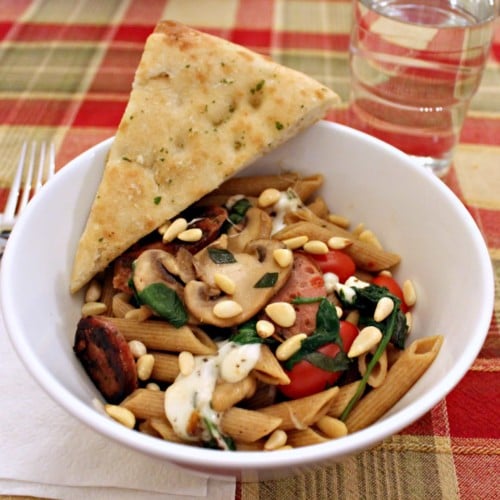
(305, 437)
(338, 404)
(120, 305)
(366, 255)
(268, 368)
(145, 404)
(303, 412)
(165, 367)
(248, 425)
(226, 395)
(319, 207)
(409, 367)
(379, 371)
(162, 427)
(165, 337)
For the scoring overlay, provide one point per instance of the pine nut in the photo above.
(316, 247)
(339, 311)
(409, 320)
(227, 309)
(268, 197)
(225, 283)
(367, 338)
(385, 272)
(276, 440)
(191, 235)
(121, 414)
(385, 306)
(264, 328)
(139, 314)
(145, 366)
(176, 227)
(164, 227)
(296, 242)
(283, 257)
(282, 313)
(93, 293)
(409, 293)
(338, 242)
(153, 386)
(290, 346)
(137, 348)
(332, 427)
(186, 363)
(93, 308)
(339, 220)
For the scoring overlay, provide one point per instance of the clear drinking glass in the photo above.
(415, 65)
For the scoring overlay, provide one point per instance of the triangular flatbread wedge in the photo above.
(200, 110)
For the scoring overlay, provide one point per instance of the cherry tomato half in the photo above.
(336, 261)
(392, 285)
(307, 379)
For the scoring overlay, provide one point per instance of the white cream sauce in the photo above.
(193, 393)
(288, 202)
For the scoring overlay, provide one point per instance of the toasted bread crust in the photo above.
(201, 109)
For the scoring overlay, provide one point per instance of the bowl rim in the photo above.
(242, 460)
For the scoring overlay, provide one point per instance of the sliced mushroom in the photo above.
(157, 287)
(156, 266)
(245, 269)
(257, 225)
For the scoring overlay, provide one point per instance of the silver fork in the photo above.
(28, 180)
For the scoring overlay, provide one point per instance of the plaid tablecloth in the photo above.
(65, 73)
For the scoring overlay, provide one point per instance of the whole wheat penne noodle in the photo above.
(145, 404)
(120, 305)
(255, 446)
(228, 394)
(248, 425)
(366, 256)
(253, 185)
(268, 369)
(339, 402)
(265, 395)
(166, 366)
(379, 371)
(163, 428)
(411, 365)
(165, 337)
(393, 353)
(145, 428)
(305, 187)
(108, 290)
(305, 437)
(319, 207)
(303, 412)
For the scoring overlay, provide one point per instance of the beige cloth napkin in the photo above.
(47, 453)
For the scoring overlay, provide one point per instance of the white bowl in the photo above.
(412, 212)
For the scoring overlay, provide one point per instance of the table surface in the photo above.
(65, 75)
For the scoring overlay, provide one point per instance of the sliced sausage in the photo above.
(306, 280)
(106, 357)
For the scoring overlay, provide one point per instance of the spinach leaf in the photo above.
(336, 364)
(165, 302)
(247, 334)
(217, 440)
(221, 256)
(268, 280)
(327, 331)
(239, 210)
